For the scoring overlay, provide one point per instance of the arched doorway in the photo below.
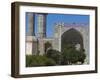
(47, 45)
(72, 37)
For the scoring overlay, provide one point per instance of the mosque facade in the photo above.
(77, 34)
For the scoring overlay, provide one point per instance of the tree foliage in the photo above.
(72, 56)
(55, 55)
(68, 56)
(37, 60)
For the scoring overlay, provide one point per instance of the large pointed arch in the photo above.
(71, 36)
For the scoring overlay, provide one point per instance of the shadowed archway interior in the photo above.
(73, 37)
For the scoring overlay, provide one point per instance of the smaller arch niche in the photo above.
(47, 46)
(72, 37)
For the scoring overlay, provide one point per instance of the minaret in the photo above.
(41, 18)
(57, 35)
(41, 25)
(31, 23)
(30, 45)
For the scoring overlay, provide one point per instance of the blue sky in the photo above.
(55, 18)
